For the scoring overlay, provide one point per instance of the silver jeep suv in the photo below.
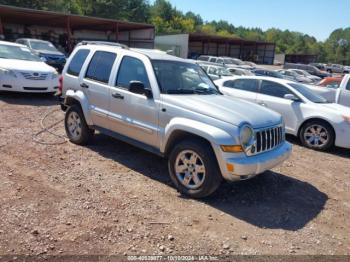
(170, 107)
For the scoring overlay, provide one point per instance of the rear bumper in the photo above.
(248, 167)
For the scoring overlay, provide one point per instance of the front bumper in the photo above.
(342, 135)
(246, 167)
(19, 84)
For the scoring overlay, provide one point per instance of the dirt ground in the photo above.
(111, 198)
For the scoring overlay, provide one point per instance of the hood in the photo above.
(247, 67)
(227, 109)
(49, 52)
(24, 65)
(315, 77)
(338, 109)
(304, 79)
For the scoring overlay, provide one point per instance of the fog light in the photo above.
(230, 168)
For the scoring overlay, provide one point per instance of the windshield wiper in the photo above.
(180, 91)
(205, 91)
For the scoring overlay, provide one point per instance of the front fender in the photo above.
(214, 135)
(79, 96)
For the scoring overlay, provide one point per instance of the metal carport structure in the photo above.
(67, 29)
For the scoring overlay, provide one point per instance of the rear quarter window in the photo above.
(77, 62)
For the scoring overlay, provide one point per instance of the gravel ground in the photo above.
(111, 198)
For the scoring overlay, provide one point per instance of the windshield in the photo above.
(275, 74)
(237, 62)
(229, 61)
(182, 78)
(41, 45)
(222, 71)
(17, 52)
(306, 73)
(306, 92)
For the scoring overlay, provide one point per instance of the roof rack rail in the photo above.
(103, 43)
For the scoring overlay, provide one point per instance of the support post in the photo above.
(116, 29)
(2, 36)
(69, 35)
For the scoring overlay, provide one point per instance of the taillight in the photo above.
(60, 84)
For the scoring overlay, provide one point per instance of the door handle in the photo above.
(84, 85)
(117, 96)
(262, 104)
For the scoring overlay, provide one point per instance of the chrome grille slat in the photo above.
(267, 139)
(32, 76)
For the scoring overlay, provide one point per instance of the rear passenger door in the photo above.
(133, 115)
(95, 85)
(241, 88)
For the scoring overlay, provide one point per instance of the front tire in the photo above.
(193, 168)
(317, 135)
(76, 127)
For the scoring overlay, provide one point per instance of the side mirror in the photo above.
(138, 87)
(291, 97)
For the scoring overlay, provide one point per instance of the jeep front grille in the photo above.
(266, 139)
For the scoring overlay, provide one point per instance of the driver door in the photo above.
(271, 95)
(133, 115)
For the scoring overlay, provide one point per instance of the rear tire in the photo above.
(76, 127)
(194, 169)
(317, 135)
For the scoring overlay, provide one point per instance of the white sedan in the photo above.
(319, 124)
(23, 71)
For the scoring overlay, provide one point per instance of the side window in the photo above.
(348, 85)
(131, 69)
(250, 85)
(213, 60)
(220, 61)
(77, 62)
(274, 89)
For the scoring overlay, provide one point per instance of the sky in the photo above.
(318, 18)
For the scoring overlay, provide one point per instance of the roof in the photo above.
(154, 54)
(15, 15)
(273, 79)
(11, 44)
(33, 39)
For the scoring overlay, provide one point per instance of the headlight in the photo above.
(54, 75)
(346, 119)
(246, 135)
(7, 72)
